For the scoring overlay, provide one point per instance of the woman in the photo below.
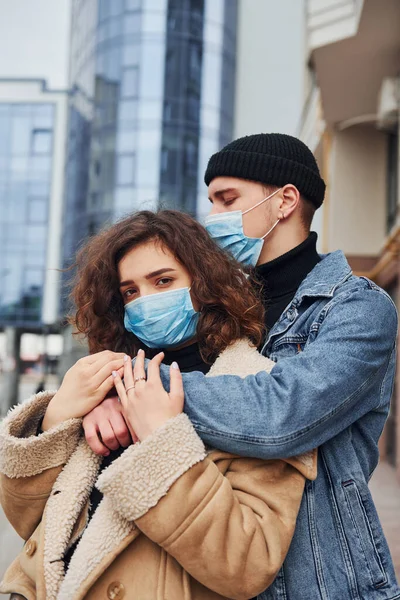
(169, 518)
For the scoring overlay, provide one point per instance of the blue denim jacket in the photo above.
(335, 351)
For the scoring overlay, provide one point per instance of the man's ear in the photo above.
(290, 199)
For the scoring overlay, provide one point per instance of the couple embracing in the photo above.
(231, 457)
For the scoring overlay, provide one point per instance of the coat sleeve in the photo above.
(343, 374)
(30, 463)
(228, 523)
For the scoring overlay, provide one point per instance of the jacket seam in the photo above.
(29, 496)
(184, 526)
(385, 377)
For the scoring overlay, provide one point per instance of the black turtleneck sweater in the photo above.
(281, 277)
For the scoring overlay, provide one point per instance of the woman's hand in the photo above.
(145, 402)
(105, 427)
(84, 386)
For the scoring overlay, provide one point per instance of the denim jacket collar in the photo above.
(324, 278)
(321, 282)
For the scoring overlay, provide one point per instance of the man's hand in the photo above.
(105, 427)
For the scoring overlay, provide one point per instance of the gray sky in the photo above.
(271, 65)
(34, 36)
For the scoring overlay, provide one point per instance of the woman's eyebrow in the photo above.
(149, 276)
(160, 272)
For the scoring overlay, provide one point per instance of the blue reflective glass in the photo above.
(132, 23)
(37, 210)
(20, 136)
(125, 170)
(133, 4)
(128, 110)
(41, 141)
(130, 54)
(43, 116)
(130, 82)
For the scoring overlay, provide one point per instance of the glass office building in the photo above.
(152, 96)
(26, 151)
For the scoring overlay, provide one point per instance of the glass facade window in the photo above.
(42, 141)
(132, 23)
(148, 104)
(133, 4)
(125, 169)
(130, 82)
(26, 132)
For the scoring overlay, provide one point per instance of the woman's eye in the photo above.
(164, 281)
(229, 202)
(129, 293)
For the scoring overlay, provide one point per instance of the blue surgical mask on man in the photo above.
(162, 320)
(227, 230)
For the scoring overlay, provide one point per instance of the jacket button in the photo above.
(115, 591)
(291, 314)
(30, 547)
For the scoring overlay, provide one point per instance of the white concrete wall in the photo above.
(270, 66)
(34, 40)
(357, 200)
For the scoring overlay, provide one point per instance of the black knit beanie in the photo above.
(272, 159)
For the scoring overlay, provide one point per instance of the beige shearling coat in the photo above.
(177, 521)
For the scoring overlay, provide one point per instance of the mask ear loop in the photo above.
(261, 202)
(272, 228)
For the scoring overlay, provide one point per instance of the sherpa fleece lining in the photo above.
(22, 452)
(138, 479)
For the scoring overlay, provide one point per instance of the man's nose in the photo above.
(217, 209)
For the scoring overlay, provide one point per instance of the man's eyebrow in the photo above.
(220, 193)
(149, 276)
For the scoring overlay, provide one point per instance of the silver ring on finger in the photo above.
(131, 387)
(139, 379)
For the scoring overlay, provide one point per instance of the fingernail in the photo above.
(114, 373)
(175, 365)
(125, 358)
(140, 351)
(106, 453)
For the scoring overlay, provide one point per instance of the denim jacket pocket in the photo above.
(363, 533)
(288, 346)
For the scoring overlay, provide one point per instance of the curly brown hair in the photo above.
(230, 306)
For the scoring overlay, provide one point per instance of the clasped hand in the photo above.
(88, 391)
(145, 403)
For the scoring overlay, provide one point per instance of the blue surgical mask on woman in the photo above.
(162, 320)
(227, 230)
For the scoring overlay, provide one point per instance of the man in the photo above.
(333, 337)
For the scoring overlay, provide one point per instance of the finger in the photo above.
(128, 372)
(119, 386)
(176, 391)
(107, 385)
(153, 370)
(93, 440)
(108, 436)
(98, 360)
(106, 370)
(139, 370)
(121, 430)
(134, 437)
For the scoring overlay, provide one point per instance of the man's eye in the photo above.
(229, 202)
